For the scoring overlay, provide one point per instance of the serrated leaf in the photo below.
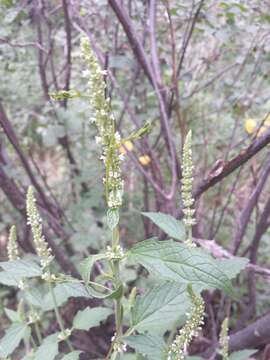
(74, 355)
(112, 218)
(90, 317)
(174, 261)
(62, 293)
(21, 268)
(152, 346)
(232, 267)
(71, 289)
(160, 307)
(242, 355)
(167, 223)
(12, 339)
(48, 349)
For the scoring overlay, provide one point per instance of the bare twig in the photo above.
(22, 45)
(230, 166)
(249, 206)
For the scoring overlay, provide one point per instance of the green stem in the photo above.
(172, 334)
(37, 330)
(117, 282)
(32, 340)
(114, 356)
(129, 331)
(189, 241)
(57, 314)
(36, 327)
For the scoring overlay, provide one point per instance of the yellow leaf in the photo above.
(128, 147)
(144, 160)
(250, 126)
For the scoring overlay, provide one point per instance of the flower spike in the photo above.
(187, 181)
(34, 220)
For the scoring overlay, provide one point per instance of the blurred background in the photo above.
(200, 65)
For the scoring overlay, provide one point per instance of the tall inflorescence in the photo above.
(12, 246)
(34, 220)
(192, 326)
(224, 340)
(187, 181)
(102, 116)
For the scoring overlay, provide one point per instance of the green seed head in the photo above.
(34, 220)
(191, 328)
(187, 181)
(102, 116)
(12, 247)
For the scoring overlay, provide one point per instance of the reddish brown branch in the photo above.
(10, 133)
(226, 168)
(252, 336)
(249, 206)
(17, 199)
(140, 55)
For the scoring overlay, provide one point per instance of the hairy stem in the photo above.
(117, 282)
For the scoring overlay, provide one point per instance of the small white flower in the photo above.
(64, 335)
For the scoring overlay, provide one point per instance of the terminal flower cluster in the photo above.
(118, 346)
(115, 254)
(12, 247)
(224, 340)
(34, 220)
(187, 181)
(102, 116)
(192, 326)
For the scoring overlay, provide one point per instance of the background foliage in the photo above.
(200, 65)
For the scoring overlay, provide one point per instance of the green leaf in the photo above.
(152, 346)
(21, 268)
(109, 294)
(62, 293)
(87, 264)
(85, 268)
(174, 228)
(71, 289)
(90, 317)
(128, 357)
(74, 355)
(12, 339)
(12, 315)
(112, 218)
(173, 261)
(35, 297)
(242, 355)
(160, 307)
(232, 267)
(48, 349)
(9, 280)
